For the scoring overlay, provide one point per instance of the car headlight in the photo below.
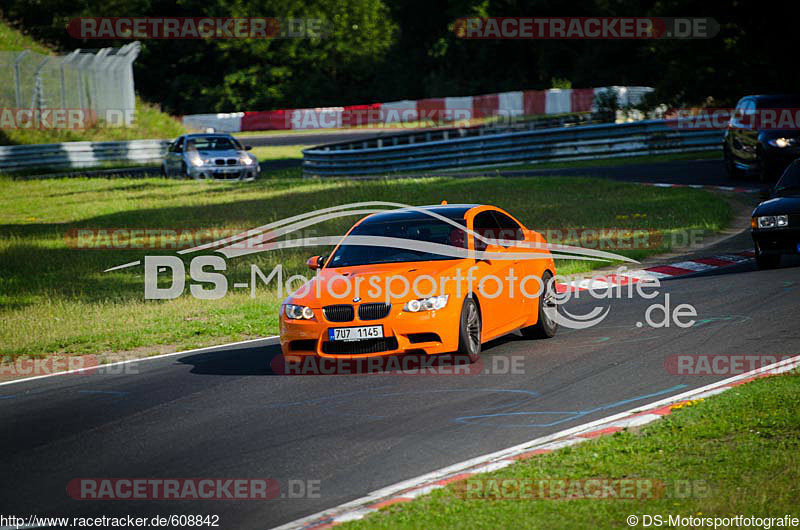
(426, 304)
(298, 312)
(197, 161)
(772, 221)
(782, 142)
(246, 160)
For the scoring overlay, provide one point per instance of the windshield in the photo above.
(779, 102)
(212, 143)
(790, 181)
(425, 228)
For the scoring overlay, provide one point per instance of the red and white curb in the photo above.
(642, 415)
(737, 189)
(660, 272)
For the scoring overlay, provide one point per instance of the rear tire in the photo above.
(546, 326)
(469, 331)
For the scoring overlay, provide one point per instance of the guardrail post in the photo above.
(17, 78)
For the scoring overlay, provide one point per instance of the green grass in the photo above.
(54, 298)
(600, 162)
(149, 123)
(277, 152)
(739, 451)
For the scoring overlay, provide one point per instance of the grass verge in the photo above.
(55, 298)
(733, 454)
(279, 152)
(149, 123)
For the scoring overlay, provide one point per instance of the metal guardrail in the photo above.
(81, 154)
(456, 148)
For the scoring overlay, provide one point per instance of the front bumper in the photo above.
(777, 240)
(237, 172)
(431, 332)
(778, 158)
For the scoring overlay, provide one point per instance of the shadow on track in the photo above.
(268, 361)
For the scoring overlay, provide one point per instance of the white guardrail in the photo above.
(80, 154)
(455, 148)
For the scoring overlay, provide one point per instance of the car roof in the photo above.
(451, 211)
(761, 98)
(208, 134)
(764, 96)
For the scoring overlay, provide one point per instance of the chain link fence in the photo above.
(97, 80)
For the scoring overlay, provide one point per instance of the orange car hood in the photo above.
(308, 296)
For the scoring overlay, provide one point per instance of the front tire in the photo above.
(767, 170)
(730, 167)
(546, 326)
(469, 331)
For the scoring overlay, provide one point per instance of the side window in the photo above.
(485, 225)
(177, 146)
(748, 113)
(509, 229)
(742, 115)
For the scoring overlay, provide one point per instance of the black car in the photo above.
(776, 221)
(756, 145)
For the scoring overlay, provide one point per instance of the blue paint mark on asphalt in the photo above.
(569, 415)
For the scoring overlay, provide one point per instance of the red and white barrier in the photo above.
(396, 113)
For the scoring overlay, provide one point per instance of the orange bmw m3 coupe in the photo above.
(433, 279)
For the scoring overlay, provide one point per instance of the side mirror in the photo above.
(248, 147)
(315, 262)
(491, 249)
(494, 248)
(764, 194)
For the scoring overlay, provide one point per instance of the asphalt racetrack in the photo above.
(224, 414)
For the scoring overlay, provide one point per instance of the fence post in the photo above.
(17, 77)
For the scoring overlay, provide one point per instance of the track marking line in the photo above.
(118, 363)
(641, 415)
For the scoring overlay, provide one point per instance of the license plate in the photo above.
(357, 333)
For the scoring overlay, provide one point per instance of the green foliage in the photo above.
(383, 50)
